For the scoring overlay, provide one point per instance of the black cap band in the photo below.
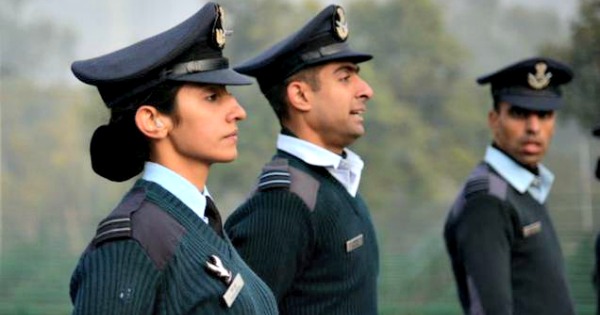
(525, 91)
(190, 67)
(324, 51)
(195, 66)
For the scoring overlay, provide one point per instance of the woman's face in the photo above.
(204, 125)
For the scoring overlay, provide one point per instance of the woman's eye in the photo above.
(212, 97)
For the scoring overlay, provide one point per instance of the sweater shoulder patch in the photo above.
(157, 232)
(305, 186)
(488, 183)
(476, 185)
(117, 225)
(137, 219)
(278, 174)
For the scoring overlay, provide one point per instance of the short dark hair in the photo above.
(496, 104)
(277, 95)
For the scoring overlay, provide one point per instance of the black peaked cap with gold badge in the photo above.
(531, 84)
(189, 52)
(322, 39)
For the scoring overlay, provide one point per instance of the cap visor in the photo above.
(221, 77)
(533, 102)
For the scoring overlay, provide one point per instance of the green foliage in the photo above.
(495, 34)
(426, 128)
(583, 54)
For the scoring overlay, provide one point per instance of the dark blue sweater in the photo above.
(309, 240)
(150, 256)
(505, 253)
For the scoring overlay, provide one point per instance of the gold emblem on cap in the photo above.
(218, 31)
(541, 79)
(340, 24)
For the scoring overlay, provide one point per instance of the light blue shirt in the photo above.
(178, 186)
(519, 177)
(346, 170)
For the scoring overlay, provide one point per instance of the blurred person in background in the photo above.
(596, 272)
(305, 230)
(505, 253)
(162, 250)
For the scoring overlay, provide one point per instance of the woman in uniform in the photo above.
(162, 250)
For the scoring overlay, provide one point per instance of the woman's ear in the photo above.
(151, 122)
(299, 95)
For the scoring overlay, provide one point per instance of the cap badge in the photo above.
(340, 24)
(541, 79)
(218, 32)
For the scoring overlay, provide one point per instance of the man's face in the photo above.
(522, 133)
(338, 105)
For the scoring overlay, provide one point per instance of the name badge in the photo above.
(531, 229)
(234, 290)
(354, 243)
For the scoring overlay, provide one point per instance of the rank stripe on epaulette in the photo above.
(118, 231)
(476, 185)
(113, 228)
(275, 173)
(274, 183)
(112, 221)
(274, 179)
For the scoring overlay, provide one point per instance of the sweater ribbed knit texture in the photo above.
(505, 254)
(119, 277)
(302, 254)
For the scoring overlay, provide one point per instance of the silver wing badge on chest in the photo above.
(215, 265)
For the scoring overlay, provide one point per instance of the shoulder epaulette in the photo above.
(479, 184)
(497, 187)
(486, 181)
(112, 228)
(118, 224)
(275, 174)
(278, 174)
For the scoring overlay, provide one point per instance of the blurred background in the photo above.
(426, 128)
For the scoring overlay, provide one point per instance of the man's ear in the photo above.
(492, 117)
(493, 120)
(151, 122)
(299, 95)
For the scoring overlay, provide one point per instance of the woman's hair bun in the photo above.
(118, 154)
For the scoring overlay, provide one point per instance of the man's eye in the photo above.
(545, 114)
(345, 78)
(517, 113)
(212, 97)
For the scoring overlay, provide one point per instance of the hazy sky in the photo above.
(101, 20)
(103, 26)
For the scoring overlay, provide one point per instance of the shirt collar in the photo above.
(519, 177)
(178, 186)
(346, 170)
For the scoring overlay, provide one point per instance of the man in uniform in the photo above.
(504, 250)
(596, 271)
(305, 230)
